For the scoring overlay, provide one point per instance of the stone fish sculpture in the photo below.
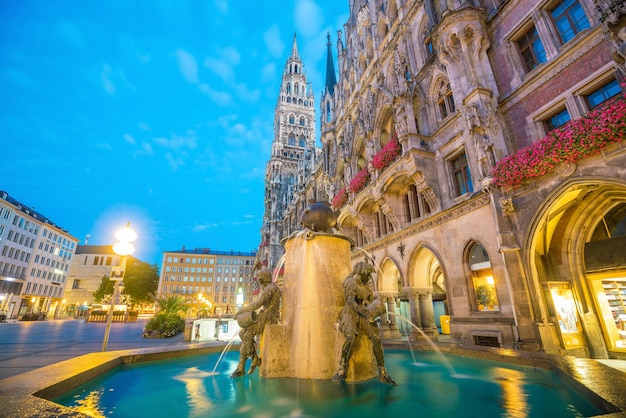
(319, 217)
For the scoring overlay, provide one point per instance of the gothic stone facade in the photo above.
(461, 86)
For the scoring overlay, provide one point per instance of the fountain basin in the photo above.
(185, 387)
(27, 395)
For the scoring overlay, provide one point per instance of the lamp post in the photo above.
(124, 248)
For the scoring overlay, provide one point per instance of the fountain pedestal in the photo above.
(307, 344)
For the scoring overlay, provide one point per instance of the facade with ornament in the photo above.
(476, 152)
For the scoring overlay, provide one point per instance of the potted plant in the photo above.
(484, 296)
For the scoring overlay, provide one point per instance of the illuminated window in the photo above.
(482, 280)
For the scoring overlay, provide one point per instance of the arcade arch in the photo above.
(578, 265)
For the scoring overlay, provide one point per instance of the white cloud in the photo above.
(245, 94)
(129, 138)
(221, 68)
(175, 162)
(221, 5)
(144, 126)
(187, 66)
(273, 41)
(221, 98)
(107, 83)
(178, 142)
(224, 64)
(145, 149)
(144, 58)
(308, 18)
(104, 145)
(268, 72)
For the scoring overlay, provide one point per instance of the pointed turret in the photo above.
(294, 49)
(331, 79)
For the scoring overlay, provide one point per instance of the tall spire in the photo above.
(294, 48)
(331, 79)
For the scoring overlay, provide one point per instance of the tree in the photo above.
(105, 288)
(169, 321)
(172, 304)
(141, 280)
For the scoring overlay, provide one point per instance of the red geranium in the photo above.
(388, 154)
(569, 143)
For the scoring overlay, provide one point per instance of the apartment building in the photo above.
(35, 257)
(212, 282)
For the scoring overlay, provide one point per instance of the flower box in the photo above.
(359, 181)
(569, 143)
(340, 199)
(387, 155)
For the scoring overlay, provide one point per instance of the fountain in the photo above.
(301, 355)
(307, 343)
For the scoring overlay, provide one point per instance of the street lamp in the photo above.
(124, 248)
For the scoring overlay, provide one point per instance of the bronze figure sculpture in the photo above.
(253, 324)
(358, 316)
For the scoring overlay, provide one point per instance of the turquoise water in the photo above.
(426, 387)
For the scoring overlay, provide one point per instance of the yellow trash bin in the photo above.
(445, 324)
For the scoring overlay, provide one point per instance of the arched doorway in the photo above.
(578, 260)
(426, 291)
(389, 286)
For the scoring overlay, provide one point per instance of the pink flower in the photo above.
(340, 199)
(388, 154)
(569, 143)
(359, 181)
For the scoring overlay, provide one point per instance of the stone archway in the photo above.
(425, 275)
(578, 265)
(387, 286)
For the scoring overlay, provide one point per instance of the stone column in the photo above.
(428, 313)
(384, 318)
(394, 332)
(414, 310)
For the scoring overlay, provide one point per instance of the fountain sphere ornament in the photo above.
(319, 217)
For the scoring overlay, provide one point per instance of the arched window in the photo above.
(292, 119)
(445, 100)
(482, 279)
(288, 88)
(302, 121)
(292, 140)
(302, 142)
(327, 111)
(296, 89)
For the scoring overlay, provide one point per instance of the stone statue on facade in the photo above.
(400, 120)
(484, 154)
(399, 70)
(253, 324)
(370, 151)
(358, 317)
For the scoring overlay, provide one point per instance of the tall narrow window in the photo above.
(445, 100)
(482, 279)
(531, 49)
(462, 175)
(569, 19)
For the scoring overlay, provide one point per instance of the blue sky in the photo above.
(158, 113)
